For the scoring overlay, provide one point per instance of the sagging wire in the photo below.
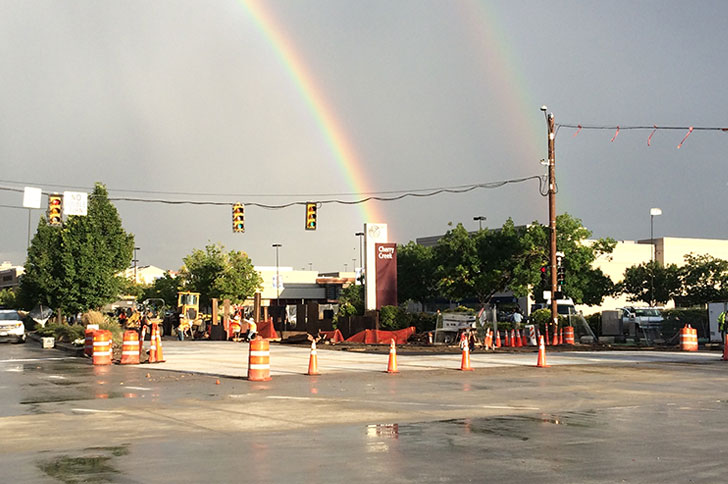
(654, 128)
(430, 192)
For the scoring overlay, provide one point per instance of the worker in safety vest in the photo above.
(252, 330)
(721, 324)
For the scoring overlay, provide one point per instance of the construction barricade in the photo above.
(688, 338)
(259, 360)
(88, 347)
(130, 348)
(334, 336)
(375, 336)
(569, 335)
(102, 347)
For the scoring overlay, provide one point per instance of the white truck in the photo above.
(450, 325)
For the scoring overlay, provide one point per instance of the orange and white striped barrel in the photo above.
(130, 348)
(569, 335)
(259, 360)
(88, 347)
(102, 347)
(688, 339)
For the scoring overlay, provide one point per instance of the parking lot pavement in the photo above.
(231, 359)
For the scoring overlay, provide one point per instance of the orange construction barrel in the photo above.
(130, 348)
(569, 335)
(688, 338)
(102, 347)
(88, 347)
(259, 360)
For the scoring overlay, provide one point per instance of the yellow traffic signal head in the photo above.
(55, 209)
(238, 218)
(310, 216)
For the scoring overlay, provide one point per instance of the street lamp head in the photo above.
(359, 234)
(655, 211)
(277, 245)
(544, 108)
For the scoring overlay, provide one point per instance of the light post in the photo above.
(278, 279)
(480, 219)
(654, 212)
(361, 245)
(136, 281)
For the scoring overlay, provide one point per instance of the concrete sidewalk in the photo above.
(231, 359)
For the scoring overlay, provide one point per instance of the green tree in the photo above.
(9, 298)
(217, 274)
(704, 279)
(74, 267)
(490, 261)
(166, 287)
(583, 283)
(415, 273)
(651, 282)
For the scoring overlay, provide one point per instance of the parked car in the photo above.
(11, 326)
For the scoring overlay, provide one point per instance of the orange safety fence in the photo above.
(334, 336)
(266, 329)
(374, 336)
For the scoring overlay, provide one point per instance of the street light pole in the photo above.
(361, 248)
(480, 219)
(653, 213)
(136, 281)
(550, 123)
(278, 279)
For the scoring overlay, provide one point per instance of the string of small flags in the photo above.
(654, 128)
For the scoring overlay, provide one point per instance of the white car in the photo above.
(11, 326)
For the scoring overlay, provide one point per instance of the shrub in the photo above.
(64, 333)
(92, 317)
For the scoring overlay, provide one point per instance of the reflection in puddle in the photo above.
(377, 435)
(521, 427)
(94, 466)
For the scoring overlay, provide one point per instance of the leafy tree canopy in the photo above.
(74, 267)
(215, 273)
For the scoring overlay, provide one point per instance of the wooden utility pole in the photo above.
(552, 213)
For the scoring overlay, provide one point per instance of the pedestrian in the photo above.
(721, 325)
(517, 318)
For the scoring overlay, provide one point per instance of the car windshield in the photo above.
(9, 316)
(647, 312)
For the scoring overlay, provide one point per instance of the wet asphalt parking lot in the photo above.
(64, 420)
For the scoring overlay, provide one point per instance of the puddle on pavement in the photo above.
(519, 427)
(95, 465)
(73, 398)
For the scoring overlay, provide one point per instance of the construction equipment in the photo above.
(187, 319)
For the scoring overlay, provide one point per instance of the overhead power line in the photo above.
(308, 198)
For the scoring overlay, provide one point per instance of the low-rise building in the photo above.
(10, 275)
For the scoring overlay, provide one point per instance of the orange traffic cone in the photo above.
(392, 366)
(153, 345)
(313, 361)
(556, 337)
(561, 335)
(507, 342)
(497, 339)
(488, 343)
(160, 355)
(519, 341)
(541, 363)
(465, 363)
(725, 347)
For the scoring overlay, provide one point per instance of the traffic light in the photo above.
(310, 216)
(545, 277)
(238, 218)
(55, 209)
(560, 275)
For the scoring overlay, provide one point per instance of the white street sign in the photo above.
(31, 197)
(75, 203)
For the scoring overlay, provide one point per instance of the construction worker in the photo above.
(252, 330)
(721, 324)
